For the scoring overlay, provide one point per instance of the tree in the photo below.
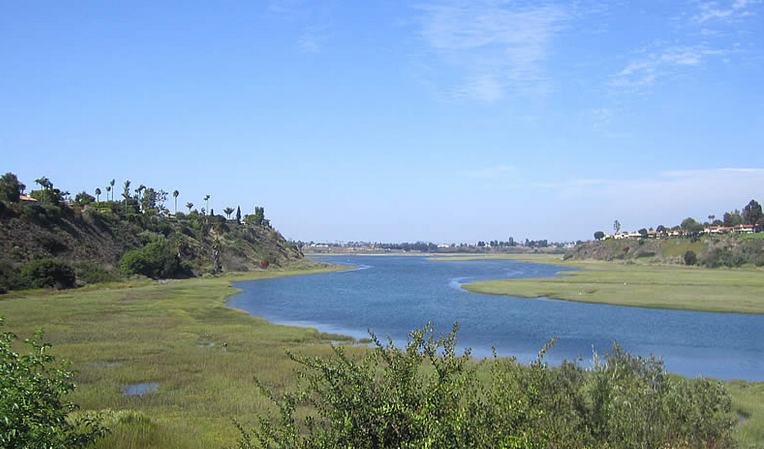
(10, 188)
(660, 229)
(44, 183)
(228, 211)
(617, 226)
(126, 193)
(98, 194)
(752, 213)
(690, 225)
(111, 189)
(83, 199)
(34, 388)
(175, 194)
(599, 235)
(189, 205)
(690, 258)
(207, 202)
(238, 214)
(108, 189)
(643, 232)
(732, 218)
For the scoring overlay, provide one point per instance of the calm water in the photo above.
(393, 295)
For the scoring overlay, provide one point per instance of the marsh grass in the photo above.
(641, 285)
(151, 332)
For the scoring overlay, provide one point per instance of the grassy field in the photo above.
(203, 354)
(640, 285)
(179, 334)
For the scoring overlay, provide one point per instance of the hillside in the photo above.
(93, 237)
(710, 251)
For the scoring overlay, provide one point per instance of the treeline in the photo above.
(751, 215)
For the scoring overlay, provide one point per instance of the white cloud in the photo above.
(662, 63)
(723, 11)
(498, 46)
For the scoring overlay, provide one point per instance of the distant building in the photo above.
(27, 199)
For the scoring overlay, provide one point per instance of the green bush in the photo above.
(48, 273)
(9, 278)
(34, 411)
(427, 396)
(690, 258)
(719, 257)
(158, 260)
(93, 273)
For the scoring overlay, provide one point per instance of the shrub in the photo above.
(48, 273)
(427, 395)
(721, 257)
(158, 259)
(93, 273)
(33, 388)
(9, 278)
(690, 258)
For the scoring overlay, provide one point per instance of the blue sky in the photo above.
(432, 120)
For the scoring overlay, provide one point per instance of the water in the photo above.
(139, 389)
(393, 295)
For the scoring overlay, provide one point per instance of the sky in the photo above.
(432, 120)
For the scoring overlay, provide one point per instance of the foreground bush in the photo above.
(33, 411)
(48, 273)
(428, 396)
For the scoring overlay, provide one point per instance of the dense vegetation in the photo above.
(428, 396)
(33, 406)
(712, 251)
(49, 239)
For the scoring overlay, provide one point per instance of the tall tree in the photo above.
(238, 214)
(126, 193)
(228, 211)
(207, 202)
(175, 194)
(189, 205)
(108, 189)
(98, 194)
(10, 188)
(617, 226)
(752, 213)
(111, 184)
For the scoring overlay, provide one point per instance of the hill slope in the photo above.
(101, 234)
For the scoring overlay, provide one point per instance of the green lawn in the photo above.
(641, 285)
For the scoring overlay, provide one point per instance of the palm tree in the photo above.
(98, 194)
(189, 205)
(111, 184)
(228, 211)
(175, 194)
(207, 201)
(108, 189)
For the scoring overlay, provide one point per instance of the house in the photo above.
(27, 199)
(745, 229)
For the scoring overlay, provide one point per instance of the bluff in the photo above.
(93, 238)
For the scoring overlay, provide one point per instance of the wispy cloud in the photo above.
(661, 63)
(723, 11)
(498, 46)
(312, 39)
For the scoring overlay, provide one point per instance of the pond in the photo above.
(392, 295)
